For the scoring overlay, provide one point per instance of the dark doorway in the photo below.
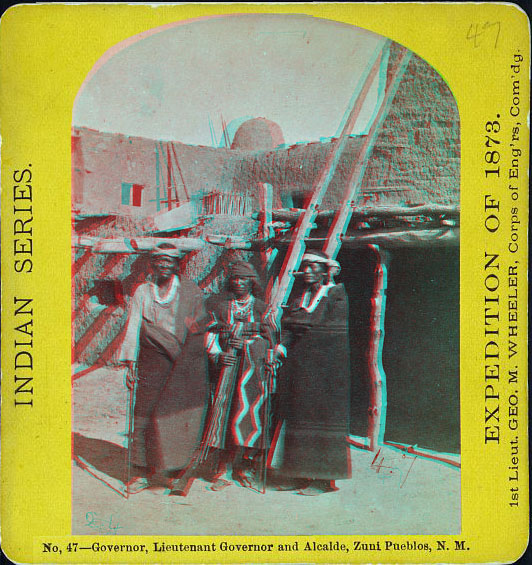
(421, 348)
(421, 344)
(357, 274)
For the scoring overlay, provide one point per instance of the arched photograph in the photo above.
(265, 284)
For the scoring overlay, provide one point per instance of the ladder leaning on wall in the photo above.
(278, 292)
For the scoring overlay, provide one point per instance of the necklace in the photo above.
(169, 295)
(241, 308)
(309, 304)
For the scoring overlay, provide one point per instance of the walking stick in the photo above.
(132, 391)
(269, 378)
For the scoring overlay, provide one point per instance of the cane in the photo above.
(132, 391)
(269, 379)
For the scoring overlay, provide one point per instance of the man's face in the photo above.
(312, 272)
(164, 267)
(240, 285)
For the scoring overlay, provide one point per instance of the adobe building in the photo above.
(399, 255)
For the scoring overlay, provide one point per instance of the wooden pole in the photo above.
(352, 189)
(268, 254)
(157, 178)
(443, 236)
(279, 292)
(384, 211)
(185, 191)
(169, 173)
(132, 393)
(378, 398)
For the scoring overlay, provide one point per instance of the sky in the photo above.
(181, 82)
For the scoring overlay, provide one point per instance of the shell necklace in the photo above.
(169, 295)
(241, 308)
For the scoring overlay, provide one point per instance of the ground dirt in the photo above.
(392, 494)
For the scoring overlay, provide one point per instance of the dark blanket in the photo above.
(171, 399)
(314, 388)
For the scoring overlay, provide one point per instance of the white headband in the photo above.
(166, 252)
(312, 258)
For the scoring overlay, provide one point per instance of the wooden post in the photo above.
(266, 230)
(157, 179)
(378, 398)
(169, 173)
(184, 197)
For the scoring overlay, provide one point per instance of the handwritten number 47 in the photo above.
(479, 32)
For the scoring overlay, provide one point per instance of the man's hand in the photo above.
(131, 374)
(272, 366)
(273, 360)
(236, 342)
(270, 374)
(227, 359)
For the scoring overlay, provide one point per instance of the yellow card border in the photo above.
(47, 50)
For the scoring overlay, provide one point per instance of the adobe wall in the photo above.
(416, 159)
(101, 162)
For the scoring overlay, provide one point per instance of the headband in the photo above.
(171, 252)
(315, 258)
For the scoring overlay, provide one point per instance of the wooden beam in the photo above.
(407, 238)
(136, 244)
(157, 178)
(413, 237)
(440, 237)
(268, 253)
(387, 211)
(238, 242)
